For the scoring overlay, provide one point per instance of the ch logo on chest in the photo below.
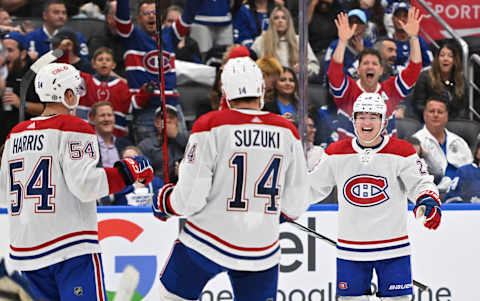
(365, 190)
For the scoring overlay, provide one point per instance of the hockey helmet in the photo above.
(53, 80)
(370, 103)
(241, 77)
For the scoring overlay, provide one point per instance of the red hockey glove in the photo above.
(136, 168)
(160, 207)
(429, 209)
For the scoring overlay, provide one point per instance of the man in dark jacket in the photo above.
(151, 147)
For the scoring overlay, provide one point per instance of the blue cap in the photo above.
(399, 6)
(18, 37)
(359, 14)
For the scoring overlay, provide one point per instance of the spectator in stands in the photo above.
(402, 38)
(136, 194)
(4, 109)
(66, 40)
(18, 63)
(212, 25)
(358, 20)
(321, 26)
(375, 14)
(346, 90)
(281, 42)
(271, 70)
(111, 146)
(141, 57)
(23, 8)
(285, 96)
(187, 48)
(388, 51)
(465, 186)
(250, 19)
(445, 79)
(108, 37)
(446, 150)
(104, 86)
(152, 147)
(54, 17)
(6, 24)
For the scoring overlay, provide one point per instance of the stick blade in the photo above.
(46, 59)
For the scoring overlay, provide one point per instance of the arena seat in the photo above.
(469, 130)
(406, 127)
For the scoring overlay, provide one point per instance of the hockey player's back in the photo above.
(37, 150)
(253, 155)
(49, 181)
(242, 169)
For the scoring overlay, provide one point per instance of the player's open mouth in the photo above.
(367, 129)
(370, 75)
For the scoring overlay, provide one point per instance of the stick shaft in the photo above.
(331, 242)
(161, 80)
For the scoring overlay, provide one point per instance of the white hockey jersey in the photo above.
(241, 170)
(373, 186)
(49, 182)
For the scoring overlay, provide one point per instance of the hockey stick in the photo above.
(331, 242)
(127, 285)
(44, 60)
(161, 80)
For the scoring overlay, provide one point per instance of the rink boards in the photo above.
(447, 259)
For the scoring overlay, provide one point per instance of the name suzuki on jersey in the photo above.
(28, 143)
(256, 138)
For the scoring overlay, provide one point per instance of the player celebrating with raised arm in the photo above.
(382, 173)
(345, 90)
(242, 168)
(49, 174)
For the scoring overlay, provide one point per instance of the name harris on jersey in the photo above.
(27, 143)
(264, 138)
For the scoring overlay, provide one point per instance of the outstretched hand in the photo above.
(345, 32)
(412, 27)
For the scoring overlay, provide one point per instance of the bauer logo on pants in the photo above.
(365, 190)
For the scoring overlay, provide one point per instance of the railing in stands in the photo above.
(475, 58)
(459, 40)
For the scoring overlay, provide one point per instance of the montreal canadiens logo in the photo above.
(150, 62)
(365, 190)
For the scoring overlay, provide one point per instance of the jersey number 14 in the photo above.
(266, 185)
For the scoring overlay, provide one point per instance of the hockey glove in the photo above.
(429, 209)
(136, 168)
(161, 208)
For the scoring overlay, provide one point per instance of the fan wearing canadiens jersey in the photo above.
(242, 169)
(393, 90)
(383, 172)
(50, 177)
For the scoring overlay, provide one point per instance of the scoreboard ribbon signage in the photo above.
(462, 15)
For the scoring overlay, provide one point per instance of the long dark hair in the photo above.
(295, 97)
(456, 73)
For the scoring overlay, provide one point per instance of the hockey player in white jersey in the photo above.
(375, 175)
(49, 181)
(242, 169)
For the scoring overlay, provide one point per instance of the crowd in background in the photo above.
(122, 98)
